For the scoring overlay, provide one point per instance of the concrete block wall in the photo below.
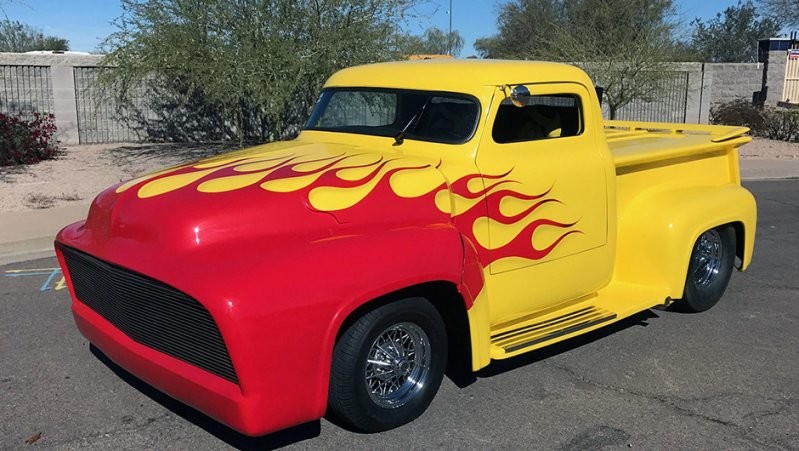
(775, 77)
(712, 83)
(64, 109)
(733, 80)
(724, 82)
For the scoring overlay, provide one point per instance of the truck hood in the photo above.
(285, 192)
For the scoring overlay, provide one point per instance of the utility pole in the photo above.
(449, 35)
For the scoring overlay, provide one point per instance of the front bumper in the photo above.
(210, 394)
(269, 396)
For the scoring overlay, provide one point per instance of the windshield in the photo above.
(424, 116)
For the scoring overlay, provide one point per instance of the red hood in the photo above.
(283, 192)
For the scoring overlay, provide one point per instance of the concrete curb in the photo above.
(769, 169)
(28, 234)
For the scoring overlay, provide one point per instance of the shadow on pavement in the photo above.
(239, 441)
(174, 152)
(313, 429)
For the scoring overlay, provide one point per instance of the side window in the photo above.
(542, 117)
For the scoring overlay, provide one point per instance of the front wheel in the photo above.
(709, 270)
(387, 366)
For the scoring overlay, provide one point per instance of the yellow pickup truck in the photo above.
(431, 213)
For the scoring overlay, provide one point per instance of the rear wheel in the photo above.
(709, 270)
(387, 366)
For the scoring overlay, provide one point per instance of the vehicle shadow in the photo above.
(461, 376)
(229, 436)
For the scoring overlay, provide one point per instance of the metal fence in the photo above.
(672, 106)
(99, 120)
(25, 89)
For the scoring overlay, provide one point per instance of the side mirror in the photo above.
(520, 96)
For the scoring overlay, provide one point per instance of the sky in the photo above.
(85, 23)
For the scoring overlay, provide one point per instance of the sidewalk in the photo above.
(769, 169)
(27, 235)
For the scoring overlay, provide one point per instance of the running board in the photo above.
(510, 342)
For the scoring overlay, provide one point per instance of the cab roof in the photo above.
(456, 75)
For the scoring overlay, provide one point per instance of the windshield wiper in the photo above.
(400, 137)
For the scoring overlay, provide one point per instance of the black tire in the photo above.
(709, 270)
(356, 383)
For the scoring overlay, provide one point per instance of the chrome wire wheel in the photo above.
(387, 365)
(709, 269)
(707, 258)
(397, 365)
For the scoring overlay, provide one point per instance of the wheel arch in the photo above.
(740, 242)
(451, 305)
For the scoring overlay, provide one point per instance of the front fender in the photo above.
(657, 232)
(286, 309)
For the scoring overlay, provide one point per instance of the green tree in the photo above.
(243, 69)
(435, 41)
(731, 37)
(784, 11)
(625, 45)
(19, 37)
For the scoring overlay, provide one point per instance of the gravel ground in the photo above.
(83, 171)
(767, 149)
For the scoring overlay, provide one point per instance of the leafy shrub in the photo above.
(781, 124)
(27, 141)
(738, 112)
(768, 122)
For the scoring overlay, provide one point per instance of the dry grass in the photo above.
(39, 201)
(42, 201)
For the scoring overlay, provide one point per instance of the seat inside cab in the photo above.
(542, 118)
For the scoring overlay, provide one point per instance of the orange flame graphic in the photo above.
(338, 182)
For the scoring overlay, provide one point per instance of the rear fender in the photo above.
(657, 232)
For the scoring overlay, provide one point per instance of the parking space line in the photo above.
(51, 273)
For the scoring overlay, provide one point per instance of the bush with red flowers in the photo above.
(25, 141)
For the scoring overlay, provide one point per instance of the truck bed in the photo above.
(641, 143)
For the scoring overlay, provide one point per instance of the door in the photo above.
(545, 235)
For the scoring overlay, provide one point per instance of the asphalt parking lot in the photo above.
(724, 379)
